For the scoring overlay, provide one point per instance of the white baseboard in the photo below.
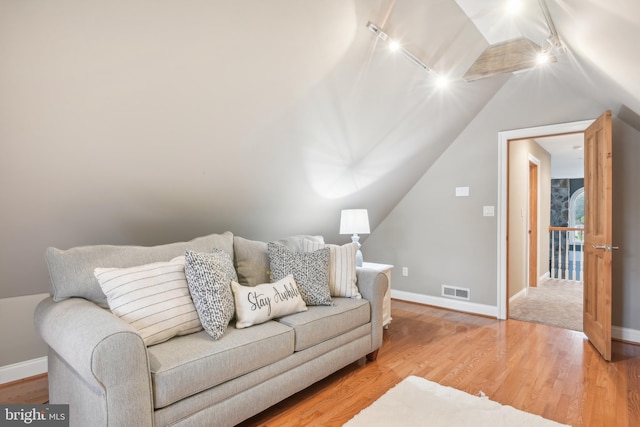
(617, 332)
(522, 293)
(451, 304)
(544, 277)
(625, 334)
(21, 370)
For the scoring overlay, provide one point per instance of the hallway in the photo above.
(553, 302)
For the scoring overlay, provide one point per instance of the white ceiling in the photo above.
(601, 33)
(567, 154)
(497, 24)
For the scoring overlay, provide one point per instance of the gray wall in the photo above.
(147, 123)
(20, 342)
(626, 226)
(144, 122)
(443, 239)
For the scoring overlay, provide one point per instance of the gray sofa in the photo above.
(100, 366)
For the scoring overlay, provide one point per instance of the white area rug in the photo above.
(419, 402)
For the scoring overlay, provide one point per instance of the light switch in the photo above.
(488, 211)
(462, 191)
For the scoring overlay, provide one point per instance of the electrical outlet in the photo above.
(405, 271)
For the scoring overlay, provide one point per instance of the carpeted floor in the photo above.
(552, 302)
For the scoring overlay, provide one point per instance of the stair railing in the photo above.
(566, 253)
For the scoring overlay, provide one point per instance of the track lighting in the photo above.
(396, 46)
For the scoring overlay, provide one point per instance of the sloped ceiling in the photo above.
(600, 35)
(147, 122)
(604, 34)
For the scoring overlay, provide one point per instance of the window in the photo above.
(576, 215)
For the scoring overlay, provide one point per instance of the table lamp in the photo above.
(354, 222)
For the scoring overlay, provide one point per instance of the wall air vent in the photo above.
(454, 292)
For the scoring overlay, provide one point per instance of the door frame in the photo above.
(503, 178)
(533, 218)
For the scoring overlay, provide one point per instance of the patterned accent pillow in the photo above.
(153, 298)
(209, 276)
(257, 304)
(310, 271)
(342, 268)
(251, 257)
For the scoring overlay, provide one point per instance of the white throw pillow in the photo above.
(342, 268)
(257, 304)
(153, 298)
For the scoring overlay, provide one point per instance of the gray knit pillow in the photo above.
(209, 276)
(310, 271)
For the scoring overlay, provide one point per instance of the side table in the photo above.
(386, 303)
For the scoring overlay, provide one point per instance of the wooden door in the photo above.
(533, 224)
(597, 243)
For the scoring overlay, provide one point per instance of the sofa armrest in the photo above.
(105, 352)
(372, 286)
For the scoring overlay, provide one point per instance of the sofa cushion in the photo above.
(310, 271)
(319, 324)
(71, 270)
(342, 268)
(209, 275)
(257, 304)
(251, 257)
(154, 298)
(189, 364)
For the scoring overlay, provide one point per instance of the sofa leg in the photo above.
(371, 357)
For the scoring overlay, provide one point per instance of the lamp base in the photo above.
(359, 259)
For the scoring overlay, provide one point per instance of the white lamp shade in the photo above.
(354, 221)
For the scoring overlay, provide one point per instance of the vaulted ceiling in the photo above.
(145, 122)
(388, 120)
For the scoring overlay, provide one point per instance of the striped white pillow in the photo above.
(153, 298)
(342, 268)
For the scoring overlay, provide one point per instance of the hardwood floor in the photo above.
(32, 390)
(537, 368)
(540, 369)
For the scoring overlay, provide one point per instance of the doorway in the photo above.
(542, 252)
(541, 168)
(504, 219)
